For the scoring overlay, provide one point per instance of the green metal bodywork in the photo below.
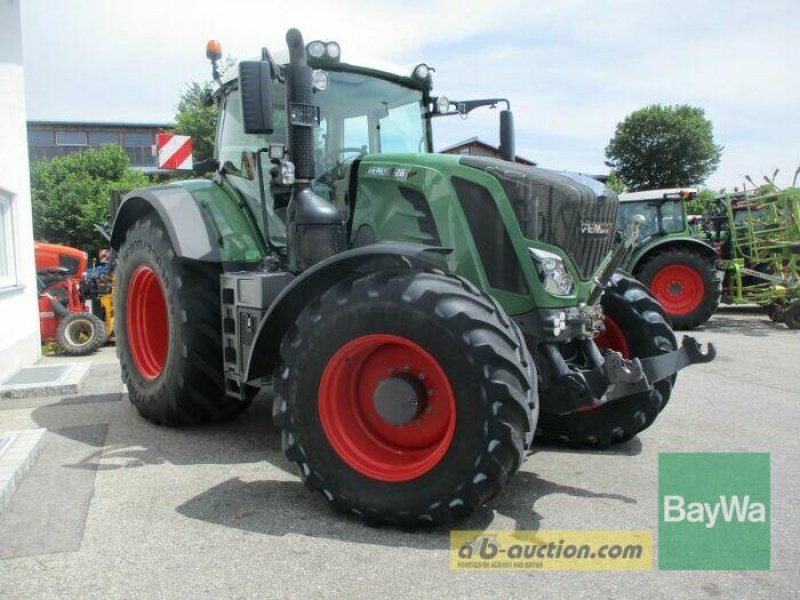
(239, 236)
(381, 206)
(761, 236)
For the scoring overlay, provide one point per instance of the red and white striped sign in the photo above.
(174, 151)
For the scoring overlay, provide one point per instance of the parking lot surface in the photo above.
(117, 507)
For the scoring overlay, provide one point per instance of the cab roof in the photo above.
(655, 194)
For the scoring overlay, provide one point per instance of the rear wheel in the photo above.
(168, 331)
(405, 397)
(80, 333)
(685, 283)
(636, 327)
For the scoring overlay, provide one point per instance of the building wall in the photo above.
(475, 148)
(19, 314)
(49, 139)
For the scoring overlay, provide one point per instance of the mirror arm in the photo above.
(467, 106)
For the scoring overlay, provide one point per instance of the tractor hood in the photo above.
(567, 210)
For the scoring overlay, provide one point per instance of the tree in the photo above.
(198, 119)
(662, 147)
(71, 193)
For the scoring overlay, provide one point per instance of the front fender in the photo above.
(311, 283)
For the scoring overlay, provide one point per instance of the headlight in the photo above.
(422, 71)
(319, 80)
(332, 50)
(552, 272)
(316, 49)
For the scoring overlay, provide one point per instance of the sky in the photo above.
(572, 69)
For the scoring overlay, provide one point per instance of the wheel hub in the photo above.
(399, 400)
(675, 288)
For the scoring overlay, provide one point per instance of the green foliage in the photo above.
(71, 193)
(615, 183)
(700, 203)
(197, 120)
(663, 147)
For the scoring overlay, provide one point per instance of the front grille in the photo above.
(572, 212)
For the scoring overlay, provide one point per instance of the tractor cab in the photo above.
(664, 211)
(370, 108)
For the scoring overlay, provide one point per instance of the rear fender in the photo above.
(642, 255)
(202, 219)
(311, 283)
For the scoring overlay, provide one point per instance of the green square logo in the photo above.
(714, 511)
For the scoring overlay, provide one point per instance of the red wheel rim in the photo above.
(678, 288)
(349, 408)
(613, 338)
(147, 323)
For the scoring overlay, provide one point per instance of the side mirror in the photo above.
(507, 150)
(255, 90)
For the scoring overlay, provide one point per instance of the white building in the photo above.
(19, 314)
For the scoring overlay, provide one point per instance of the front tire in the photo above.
(168, 330)
(685, 283)
(636, 326)
(405, 397)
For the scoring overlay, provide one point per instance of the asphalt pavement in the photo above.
(116, 507)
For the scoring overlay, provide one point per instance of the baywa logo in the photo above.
(714, 511)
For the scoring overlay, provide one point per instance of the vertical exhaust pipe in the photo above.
(314, 228)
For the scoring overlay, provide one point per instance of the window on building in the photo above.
(40, 138)
(139, 140)
(8, 259)
(100, 138)
(71, 138)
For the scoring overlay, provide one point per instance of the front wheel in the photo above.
(405, 397)
(685, 283)
(636, 327)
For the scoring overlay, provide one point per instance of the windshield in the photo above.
(661, 217)
(360, 114)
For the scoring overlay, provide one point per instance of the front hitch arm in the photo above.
(690, 353)
(616, 377)
(653, 368)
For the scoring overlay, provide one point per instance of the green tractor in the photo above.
(678, 267)
(415, 314)
(757, 234)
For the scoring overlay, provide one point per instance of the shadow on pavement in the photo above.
(630, 448)
(272, 507)
(281, 508)
(251, 438)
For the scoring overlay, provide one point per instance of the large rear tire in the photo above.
(685, 283)
(636, 326)
(405, 397)
(168, 330)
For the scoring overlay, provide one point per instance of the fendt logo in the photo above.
(728, 508)
(714, 511)
(595, 228)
